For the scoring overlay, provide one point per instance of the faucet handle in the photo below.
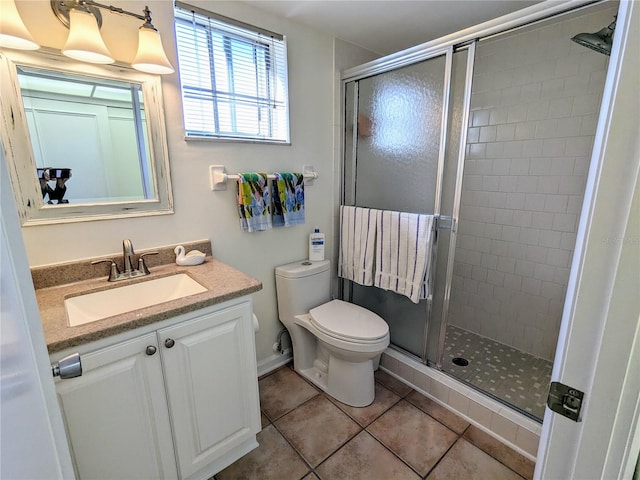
(143, 266)
(113, 272)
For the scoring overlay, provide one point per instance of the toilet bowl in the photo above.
(336, 344)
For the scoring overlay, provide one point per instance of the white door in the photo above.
(116, 413)
(33, 441)
(599, 345)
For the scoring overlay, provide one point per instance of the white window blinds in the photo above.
(233, 76)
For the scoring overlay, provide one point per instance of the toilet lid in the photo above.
(348, 321)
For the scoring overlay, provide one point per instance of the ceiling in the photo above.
(387, 26)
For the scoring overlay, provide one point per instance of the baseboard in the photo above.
(274, 361)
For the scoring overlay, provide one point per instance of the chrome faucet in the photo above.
(127, 255)
(127, 264)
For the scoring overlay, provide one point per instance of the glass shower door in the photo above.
(394, 155)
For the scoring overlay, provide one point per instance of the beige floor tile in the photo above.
(467, 462)
(437, 411)
(363, 458)
(274, 459)
(384, 400)
(264, 421)
(317, 429)
(392, 383)
(283, 391)
(311, 476)
(500, 451)
(413, 435)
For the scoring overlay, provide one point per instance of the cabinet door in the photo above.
(211, 379)
(116, 414)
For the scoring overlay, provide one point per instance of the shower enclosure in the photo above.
(493, 137)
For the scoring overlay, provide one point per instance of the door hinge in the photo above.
(565, 400)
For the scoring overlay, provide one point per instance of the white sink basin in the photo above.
(107, 303)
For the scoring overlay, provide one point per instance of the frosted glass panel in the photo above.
(397, 144)
(398, 141)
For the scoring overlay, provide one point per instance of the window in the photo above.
(233, 76)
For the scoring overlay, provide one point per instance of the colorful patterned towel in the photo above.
(254, 202)
(288, 199)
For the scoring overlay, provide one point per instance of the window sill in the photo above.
(190, 138)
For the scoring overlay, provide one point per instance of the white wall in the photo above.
(199, 212)
(535, 101)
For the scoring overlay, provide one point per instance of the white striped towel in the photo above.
(403, 253)
(357, 244)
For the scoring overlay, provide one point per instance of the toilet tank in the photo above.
(301, 286)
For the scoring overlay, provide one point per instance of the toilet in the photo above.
(336, 344)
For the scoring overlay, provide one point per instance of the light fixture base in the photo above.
(61, 10)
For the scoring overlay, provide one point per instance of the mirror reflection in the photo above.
(88, 136)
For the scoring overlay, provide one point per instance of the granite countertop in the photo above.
(222, 281)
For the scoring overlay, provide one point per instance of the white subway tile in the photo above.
(473, 135)
(480, 118)
(529, 236)
(566, 68)
(556, 203)
(531, 91)
(576, 85)
(506, 265)
(510, 233)
(513, 149)
(575, 204)
(499, 247)
(554, 147)
(548, 184)
(565, 222)
(524, 268)
(550, 238)
(569, 127)
(440, 391)
(504, 216)
(479, 273)
(559, 258)
(488, 134)
(494, 150)
(536, 254)
(513, 281)
(498, 116)
(483, 245)
(489, 261)
(504, 427)
(422, 381)
(568, 240)
(581, 166)
(516, 113)
(519, 166)
(553, 88)
(508, 183)
(540, 166)
(571, 184)
(586, 104)
(531, 285)
(538, 110)
(490, 183)
(497, 199)
(528, 183)
(552, 290)
(579, 146)
(495, 278)
(547, 128)
(534, 202)
(494, 231)
(542, 220)
(480, 414)
(515, 201)
(500, 166)
(589, 124)
(544, 273)
(533, 148)
(506, 132)
(476, 150)
(561, 107)
(525, 130)
(562, 166)
(510, 96)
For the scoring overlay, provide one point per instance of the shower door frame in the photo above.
(467, 38)
(447, 51)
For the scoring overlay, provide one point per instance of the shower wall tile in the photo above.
(535, 102)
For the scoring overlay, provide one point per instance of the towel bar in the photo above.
(218, 177)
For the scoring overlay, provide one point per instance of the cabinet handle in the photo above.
(169, 342)
(150, 350)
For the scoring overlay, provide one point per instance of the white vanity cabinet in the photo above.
(180, 401)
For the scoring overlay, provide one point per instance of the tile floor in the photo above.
(515, 377)
(402, 435)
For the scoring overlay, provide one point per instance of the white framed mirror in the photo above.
(82, 141)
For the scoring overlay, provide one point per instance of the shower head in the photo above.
(600, 41)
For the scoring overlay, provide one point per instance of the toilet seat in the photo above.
(348, 322)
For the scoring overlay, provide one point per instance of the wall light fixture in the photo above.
(85, 43)
(13, 33)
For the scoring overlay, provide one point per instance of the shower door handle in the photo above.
(444, 222)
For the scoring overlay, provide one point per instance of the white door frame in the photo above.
(34, 443)
(598, 351)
